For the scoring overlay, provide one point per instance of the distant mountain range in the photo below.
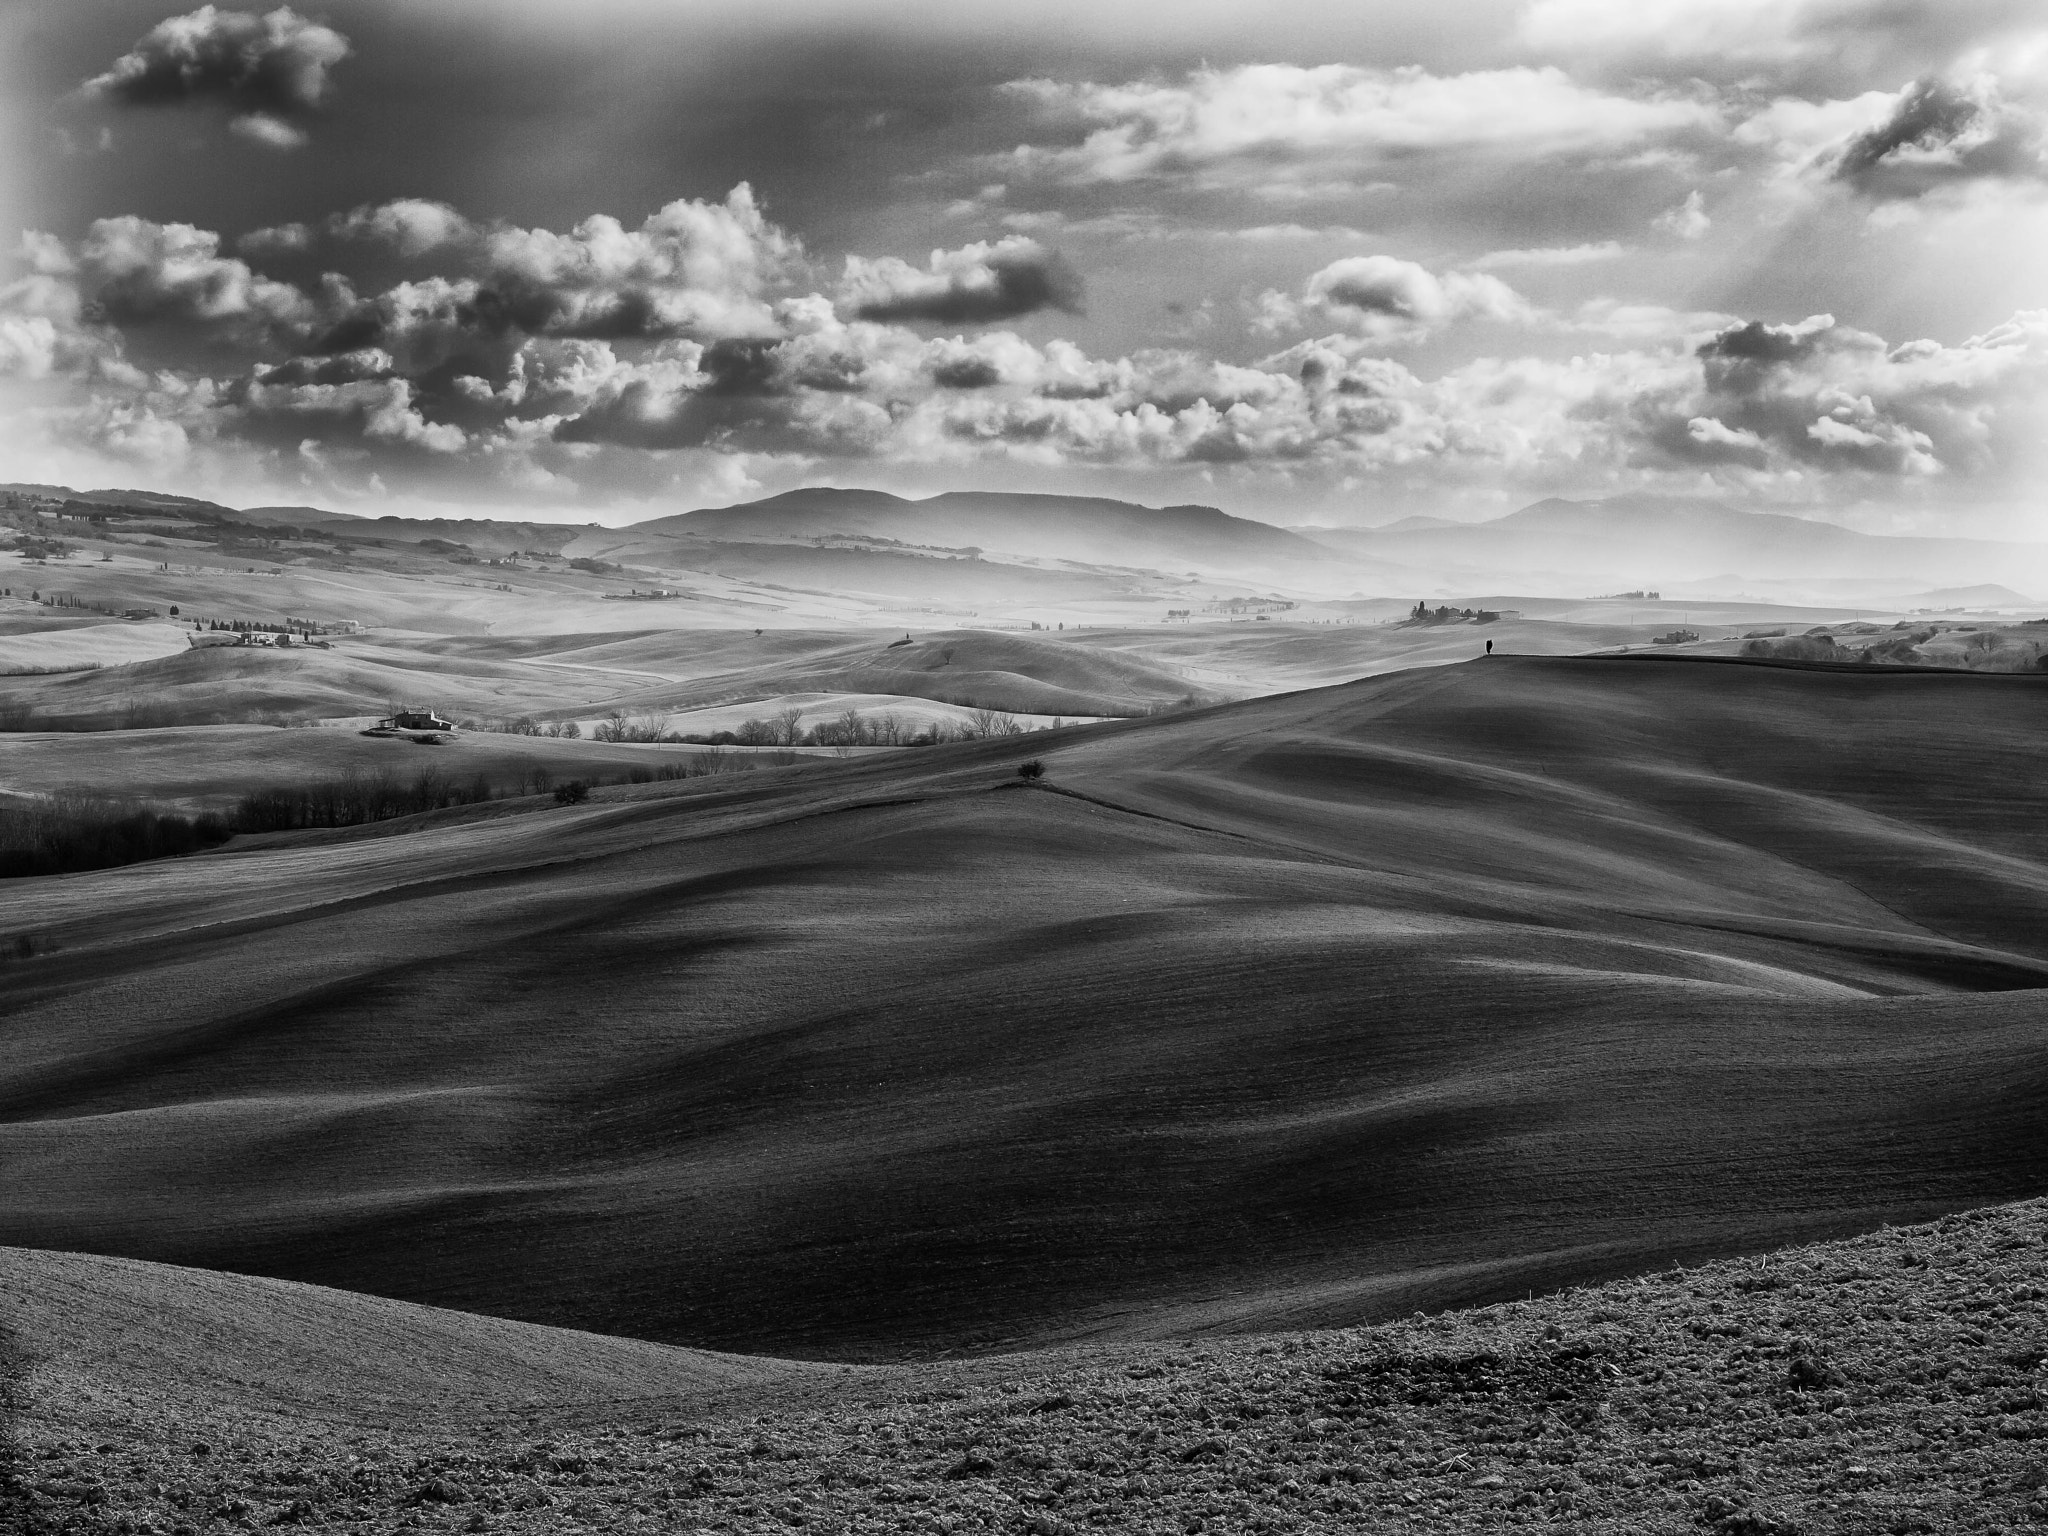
(1092, 529)
(1653, 541)
(825, 538)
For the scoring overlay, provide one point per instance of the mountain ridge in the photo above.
(1097, 529)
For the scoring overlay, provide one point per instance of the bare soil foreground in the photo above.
(1891, 1383)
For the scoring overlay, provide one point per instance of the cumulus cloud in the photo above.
(1388, 299)
(541, 358)
(1263, 121)
(276, 240)
(692, 268)
(136, 271)
(976, 285)
(1819, 394)
(411, 226)
(266, 70)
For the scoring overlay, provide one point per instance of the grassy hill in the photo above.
(589, 674)
(1887, 1383)
(1309, 1010)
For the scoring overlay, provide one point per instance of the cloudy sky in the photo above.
(1318, 263)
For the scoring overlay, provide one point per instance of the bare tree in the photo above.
(984, 723)
(789, 726)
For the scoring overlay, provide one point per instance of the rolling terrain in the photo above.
(584, 677)
(1092, 672)
(1308, 1010)
(210, 767)
(1739, 1398)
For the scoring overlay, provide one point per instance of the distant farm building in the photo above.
(203, 639)
(415, 720)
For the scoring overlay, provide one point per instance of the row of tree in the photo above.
(785, 728)
(76, 830)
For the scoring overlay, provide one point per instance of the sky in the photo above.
(1315, 263)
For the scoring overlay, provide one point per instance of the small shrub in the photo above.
(575, 792)
(1031, 770)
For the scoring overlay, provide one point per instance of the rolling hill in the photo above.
(585, 676)
(275, 1349)
(1736, 1398)
(1314, 1009)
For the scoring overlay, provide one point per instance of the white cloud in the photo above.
(1550, 256)
(975, 285)
(1263, 122)
(275, 240)
(692, 267)
(266, 70)
(1689, 220)
(137, 270)
(411, 226)
(1388, 299)
(271, 132)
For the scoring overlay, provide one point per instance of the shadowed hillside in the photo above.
(1318, 1008)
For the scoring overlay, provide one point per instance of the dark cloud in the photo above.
(977, 285)
(265, 69)
(1757, 343)
(967, 373)
(1942, 132)
(1821, 394)
(347, 368)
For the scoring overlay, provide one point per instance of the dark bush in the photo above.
(575, 792)
(1031, 770)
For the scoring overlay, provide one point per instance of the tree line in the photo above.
(76, 830)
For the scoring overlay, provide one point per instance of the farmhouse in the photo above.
(201, 639)
(415, 720)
